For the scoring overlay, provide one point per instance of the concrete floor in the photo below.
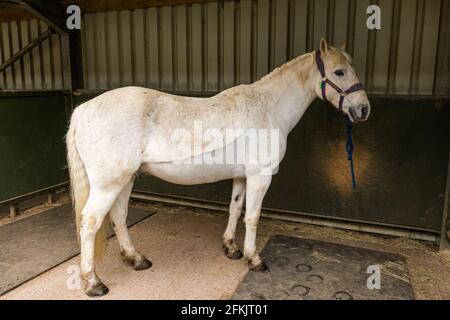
(184, 245)
(27, 250)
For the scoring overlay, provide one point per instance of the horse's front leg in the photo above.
(256, 190)
(237, 203)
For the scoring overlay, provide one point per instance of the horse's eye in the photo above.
(339, 73)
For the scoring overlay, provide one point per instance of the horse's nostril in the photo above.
(364, 111)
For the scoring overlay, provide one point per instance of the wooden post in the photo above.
(444, 244)
(76, 60)
(26, 49)
(13, 210)
(50, 198)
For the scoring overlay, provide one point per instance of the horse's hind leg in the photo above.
(118, 215)
(97, 207)
(237, 202)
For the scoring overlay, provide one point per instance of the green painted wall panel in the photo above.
(32, 149)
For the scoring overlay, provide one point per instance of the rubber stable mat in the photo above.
(304, 269)
(33, 245)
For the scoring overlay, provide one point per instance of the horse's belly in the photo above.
(190, 174)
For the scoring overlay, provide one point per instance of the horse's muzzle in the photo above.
(360, 113)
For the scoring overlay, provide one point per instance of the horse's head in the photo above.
(338, 83)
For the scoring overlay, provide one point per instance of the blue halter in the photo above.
(349, 148)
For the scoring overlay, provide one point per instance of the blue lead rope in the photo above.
(349, 148)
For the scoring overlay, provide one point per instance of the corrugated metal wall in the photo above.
(212, 46)
(45, 67)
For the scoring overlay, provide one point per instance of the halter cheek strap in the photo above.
(343, 93)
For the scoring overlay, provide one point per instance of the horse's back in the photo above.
(133, 123)
(176, 124)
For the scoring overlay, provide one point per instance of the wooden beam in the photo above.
(442, 72)
(11, 14)
(26, 49)
(52, 12)
(89, 6)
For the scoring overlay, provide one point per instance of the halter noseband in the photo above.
(343, 93)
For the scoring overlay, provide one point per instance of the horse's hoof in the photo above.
(142, 264)
(233, 255)
(98, 290)
(262, 267)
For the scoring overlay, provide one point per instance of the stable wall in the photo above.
(32, 148)
(401, 154)
(212, 46)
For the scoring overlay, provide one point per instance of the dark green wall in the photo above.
(32, 150)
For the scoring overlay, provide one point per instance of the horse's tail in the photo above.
(80, 187)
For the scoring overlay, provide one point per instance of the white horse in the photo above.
(131, 130)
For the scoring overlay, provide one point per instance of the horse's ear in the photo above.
(343, 47)
(323, 47)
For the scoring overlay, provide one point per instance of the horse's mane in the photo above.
(288, 65)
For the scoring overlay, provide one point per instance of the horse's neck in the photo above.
(293, 84)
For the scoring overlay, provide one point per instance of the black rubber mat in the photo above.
(302, 269)
(35, 244)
